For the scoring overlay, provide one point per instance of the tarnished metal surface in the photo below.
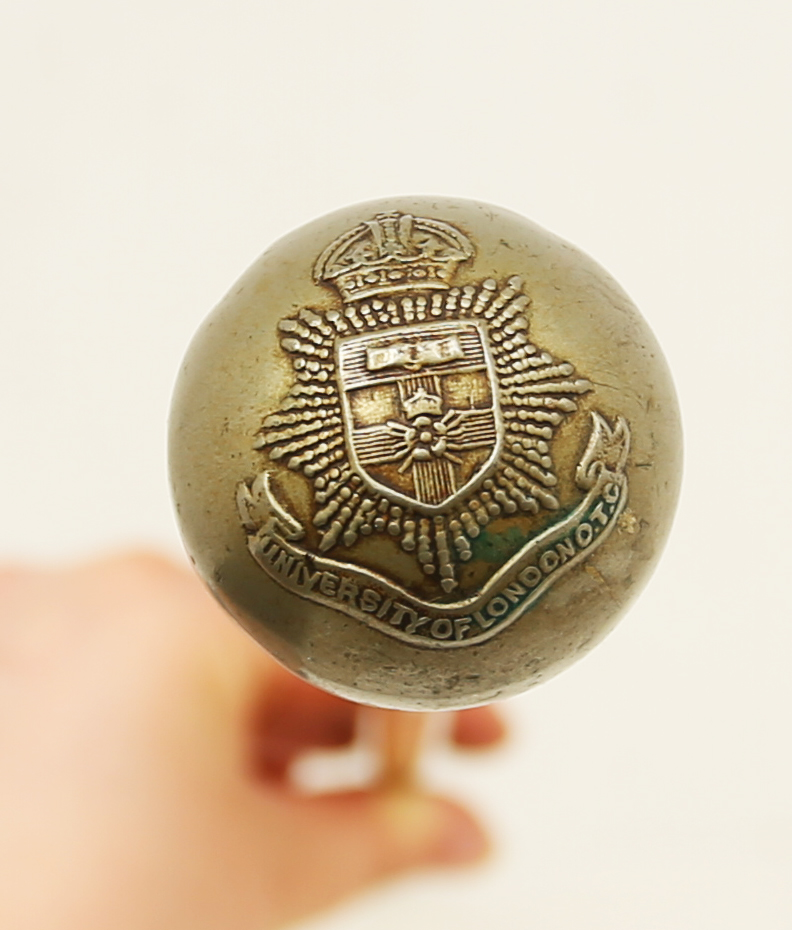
(425, 452)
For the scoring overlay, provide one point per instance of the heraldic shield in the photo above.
(420, 410)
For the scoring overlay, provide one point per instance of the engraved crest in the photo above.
(423, 412)
(420, 411)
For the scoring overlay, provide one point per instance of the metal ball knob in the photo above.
(425, 452)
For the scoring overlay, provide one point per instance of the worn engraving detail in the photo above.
(423, 412)
(422, 421)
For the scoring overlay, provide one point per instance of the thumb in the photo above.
(342, 843)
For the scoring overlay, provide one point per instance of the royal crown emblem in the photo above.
(420, 413)
(391, 253)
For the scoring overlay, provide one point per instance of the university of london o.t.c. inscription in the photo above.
(424, 413)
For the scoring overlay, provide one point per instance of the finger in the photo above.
(478, 728)
(346, 842)
(291, 717)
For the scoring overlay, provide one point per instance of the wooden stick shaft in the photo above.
(402, 738)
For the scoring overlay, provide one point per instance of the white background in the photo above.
(151, 150)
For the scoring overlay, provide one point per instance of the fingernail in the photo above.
(461, 839)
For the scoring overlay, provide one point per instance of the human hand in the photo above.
(145, 748)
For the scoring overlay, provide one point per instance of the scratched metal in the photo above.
(425, 452)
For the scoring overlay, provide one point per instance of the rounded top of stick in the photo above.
(425, 452)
